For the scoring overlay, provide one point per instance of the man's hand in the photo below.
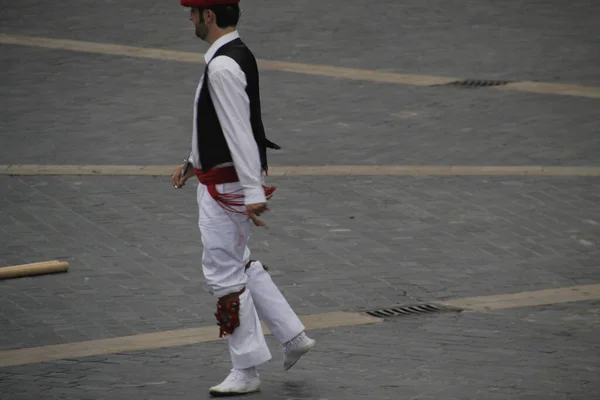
(253, 211)
(178, 181)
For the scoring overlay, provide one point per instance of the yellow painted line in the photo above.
(552, 88)
(182, 56)
(309, 170)
(528, 299)
(355, 73)
(299, 68)
(432, 170)
(157, 340)
(100, 170)
(102, 48)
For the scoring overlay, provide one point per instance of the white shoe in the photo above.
(238, 382)
(296, 348)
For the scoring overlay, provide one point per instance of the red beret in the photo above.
(207, 3)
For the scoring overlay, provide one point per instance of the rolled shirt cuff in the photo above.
(254, 195)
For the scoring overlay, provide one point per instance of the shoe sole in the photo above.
(309, 348)
(232, 394)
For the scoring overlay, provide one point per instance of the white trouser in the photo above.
(271, 306)
(224, 237)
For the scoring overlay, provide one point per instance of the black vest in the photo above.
(212, 145)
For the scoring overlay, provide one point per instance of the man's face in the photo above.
(197, 18)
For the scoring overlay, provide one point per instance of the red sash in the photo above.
(228, 201)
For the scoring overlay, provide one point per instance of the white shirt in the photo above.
(228, 92)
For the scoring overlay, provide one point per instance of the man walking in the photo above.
(229, 158)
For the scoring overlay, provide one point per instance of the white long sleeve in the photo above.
(227, 86)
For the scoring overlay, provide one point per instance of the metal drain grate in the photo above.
(476, 83)
(411, 310)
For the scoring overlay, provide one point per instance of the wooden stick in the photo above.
(46, 267)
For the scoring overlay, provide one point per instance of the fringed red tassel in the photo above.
(233, 201)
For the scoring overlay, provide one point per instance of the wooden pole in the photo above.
(46, 267)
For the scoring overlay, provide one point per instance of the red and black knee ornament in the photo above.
(228, 313)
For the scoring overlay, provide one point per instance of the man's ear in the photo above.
(208, 16)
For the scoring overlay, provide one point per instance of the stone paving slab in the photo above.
(533, 353)
(334, 244)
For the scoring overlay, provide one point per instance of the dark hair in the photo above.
(227, 14)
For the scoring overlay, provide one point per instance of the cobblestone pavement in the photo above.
(528, 40)
(541, 353)
(106, 112)
(135, 269)
(114, 104)
(334, 243)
